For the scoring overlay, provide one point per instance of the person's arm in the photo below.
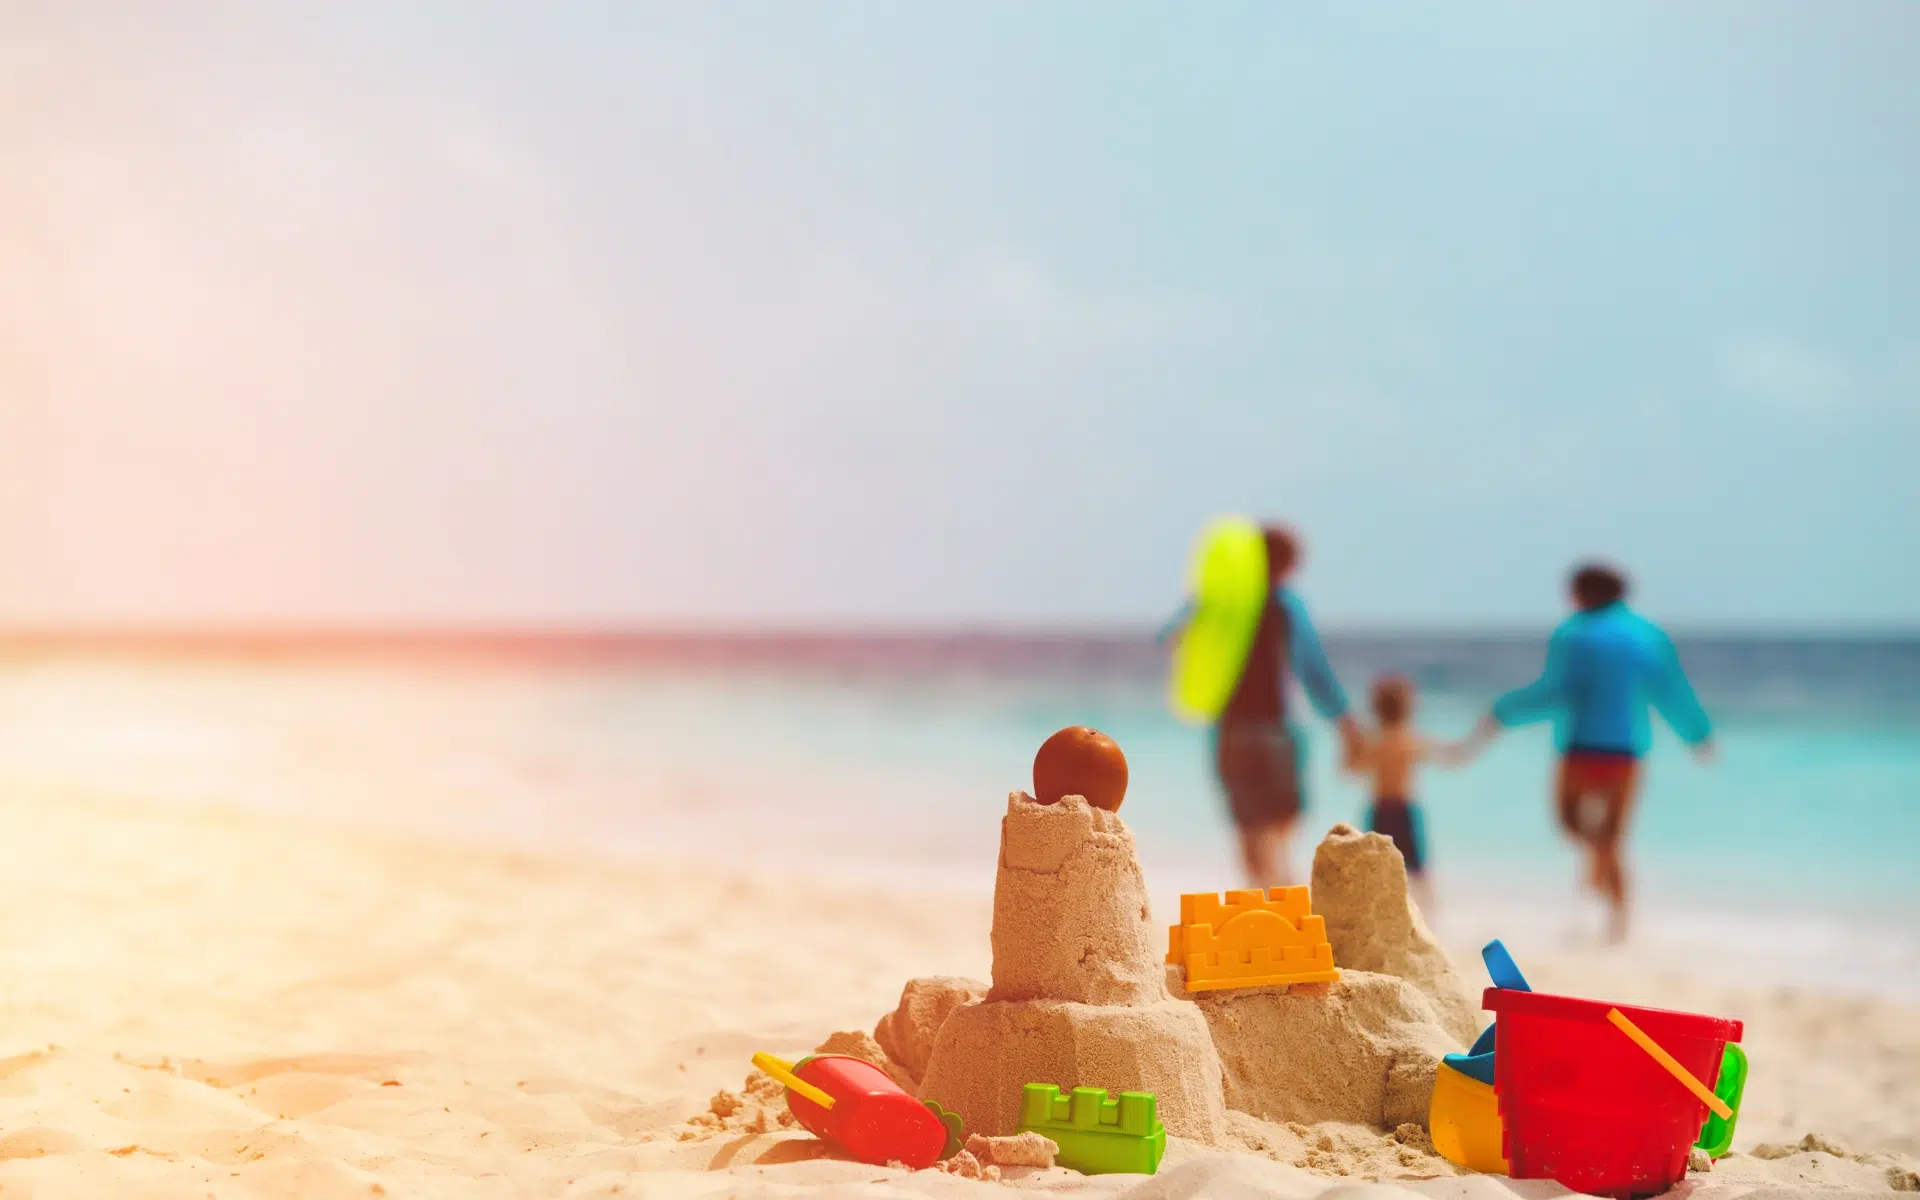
(1315, 673)
(1449, 754)
(1358, 760)
(1674, 698)
(1176, 624)
(1537, 700)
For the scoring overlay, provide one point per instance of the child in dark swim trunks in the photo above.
(1388, 755)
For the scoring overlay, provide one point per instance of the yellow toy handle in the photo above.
(782, 1070)
(1659, 1054)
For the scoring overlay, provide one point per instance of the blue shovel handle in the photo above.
(1501, 968)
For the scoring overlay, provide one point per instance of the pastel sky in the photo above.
(953, 312)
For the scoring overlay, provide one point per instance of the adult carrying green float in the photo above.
(1228, 582)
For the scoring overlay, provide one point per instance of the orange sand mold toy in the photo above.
(856, 1106)
(1250, 939)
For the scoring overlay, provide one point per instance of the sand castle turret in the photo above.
(1360, 887)
(1079, 996)
(1069, 909)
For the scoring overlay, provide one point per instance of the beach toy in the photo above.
(1228, 579)
(1465, 1114)
(1096, 1136)
(1079, 761)
(1250, 939)
(1465, 1122)
(1501, 968)
(1477, 1062)
(956, 1128)
(856, 1106)
(1583, 1106)
(1717, 1138)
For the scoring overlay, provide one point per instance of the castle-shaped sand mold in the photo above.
(1250, 939)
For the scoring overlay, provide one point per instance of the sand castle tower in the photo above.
(1079, 995)
(1360, 883)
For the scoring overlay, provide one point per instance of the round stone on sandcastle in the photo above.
(1079, 996)
(1078, 761)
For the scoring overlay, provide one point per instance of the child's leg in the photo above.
(1417, 879)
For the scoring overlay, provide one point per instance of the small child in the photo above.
(1388, 756)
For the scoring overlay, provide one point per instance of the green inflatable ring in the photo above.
(1228, 581)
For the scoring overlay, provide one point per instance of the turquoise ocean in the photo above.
(1795, 857)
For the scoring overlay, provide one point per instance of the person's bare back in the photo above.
(1389, 757)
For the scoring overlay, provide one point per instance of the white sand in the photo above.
(232, 1005)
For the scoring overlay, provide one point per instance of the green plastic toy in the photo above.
(1096, 1136)
(1229, 583)
(1717, 1137)
(954, 1128)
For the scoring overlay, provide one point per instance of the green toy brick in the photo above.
(1096, 1135)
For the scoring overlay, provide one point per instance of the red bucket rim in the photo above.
(1579, 1008)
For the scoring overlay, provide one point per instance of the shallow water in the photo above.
(1792, 858)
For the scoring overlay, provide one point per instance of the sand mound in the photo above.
(1070, 914)
(907, 1033)
(1363, 1050)
(988, 1052)
(1078, 997)
(1360, 887)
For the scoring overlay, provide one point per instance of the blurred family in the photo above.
(1606, 667)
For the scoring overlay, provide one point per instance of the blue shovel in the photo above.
(1477, 1062)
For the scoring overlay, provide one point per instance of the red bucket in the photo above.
(1584, 1106)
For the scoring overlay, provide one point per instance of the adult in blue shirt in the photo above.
(1258, 752)
(1606, 666)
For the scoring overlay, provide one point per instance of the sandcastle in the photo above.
(1081, 996)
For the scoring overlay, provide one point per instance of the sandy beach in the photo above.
(219, 1003)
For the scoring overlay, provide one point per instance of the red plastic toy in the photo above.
(859, 1108)
(1585, 1106)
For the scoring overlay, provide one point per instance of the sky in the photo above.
(953, 313)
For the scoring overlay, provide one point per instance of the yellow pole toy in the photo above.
(782, 1070)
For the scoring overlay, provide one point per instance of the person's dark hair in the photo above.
(1392, 699)
(1283, 551)
(1596, 585)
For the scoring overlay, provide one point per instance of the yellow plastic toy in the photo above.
(782, 1072)
(1465, 1120)
(1228, 580)
(1250, 939)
